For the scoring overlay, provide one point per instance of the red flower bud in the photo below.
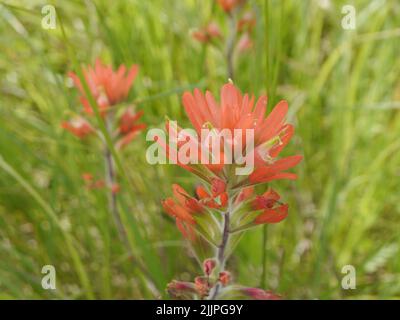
(115, 188)
(202, 286)
(208, 266)
(224, 277)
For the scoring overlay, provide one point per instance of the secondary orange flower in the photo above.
(78, 127)
(184, 207)
(107, 86)
(208, 33)
(273, 211)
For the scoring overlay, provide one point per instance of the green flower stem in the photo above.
(221, 252)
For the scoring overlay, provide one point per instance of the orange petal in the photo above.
(273, 215)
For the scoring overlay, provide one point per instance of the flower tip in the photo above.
(208, 266)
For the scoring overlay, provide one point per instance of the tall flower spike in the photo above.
(107, 86)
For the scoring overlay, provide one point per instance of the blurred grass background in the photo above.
(343, 89)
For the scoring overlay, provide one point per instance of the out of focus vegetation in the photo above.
(343, 89)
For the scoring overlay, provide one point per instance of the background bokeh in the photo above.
(343, 89)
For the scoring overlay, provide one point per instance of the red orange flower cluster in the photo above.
(108, 88)
(237, 111)
(225, 195)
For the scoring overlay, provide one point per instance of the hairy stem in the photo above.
(224, 242)
(112, 196)
(111, 181)
(221, 252)
(264, 257)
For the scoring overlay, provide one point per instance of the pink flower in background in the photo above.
(208, 33)
(245, 43)
(213, 30)
(237, 111)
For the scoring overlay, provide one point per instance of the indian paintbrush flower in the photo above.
(226, 203)
(118, 125)
(107, 86)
